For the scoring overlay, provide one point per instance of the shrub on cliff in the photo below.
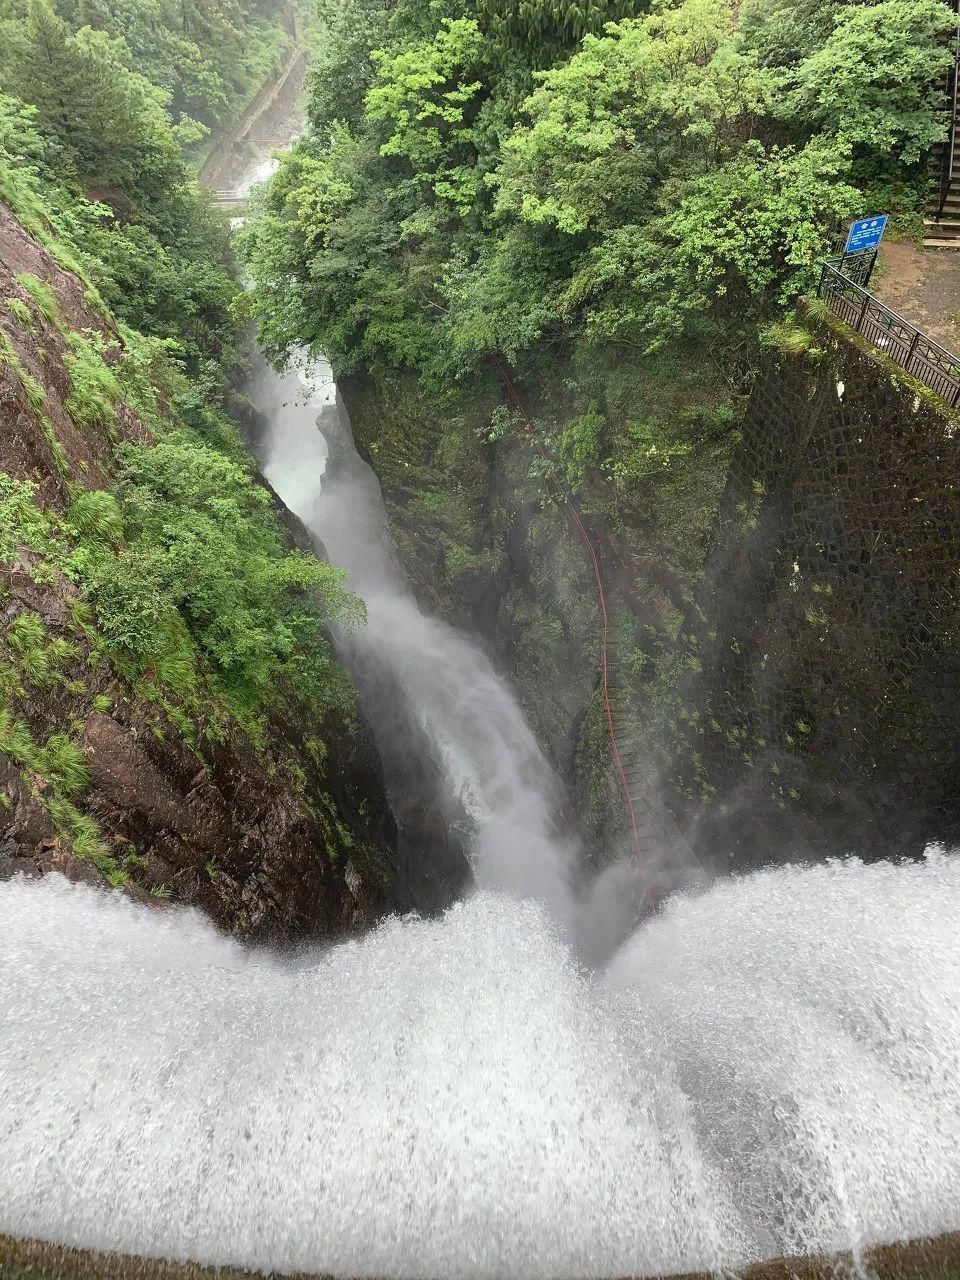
(202, 544)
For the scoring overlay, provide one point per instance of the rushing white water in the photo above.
(772, 1066)
(490, 762)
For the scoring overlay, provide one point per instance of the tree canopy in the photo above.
(486, 175)
(204, 56)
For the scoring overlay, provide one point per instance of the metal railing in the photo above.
(856, 266)
(894, 337)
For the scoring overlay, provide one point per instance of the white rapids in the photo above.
(772, 1066)
(769, 1066)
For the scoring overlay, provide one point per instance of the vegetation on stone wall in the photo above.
(175, 574)
(614, 203)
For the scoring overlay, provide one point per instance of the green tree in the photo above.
(110, 120)
(166, 265)
(874, 78)
(426, 94)
(342, 67)
(656, 98)
(205, 55)
(540, 31)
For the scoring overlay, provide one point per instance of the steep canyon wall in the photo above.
(825, 705)
(784, 605)
(107, 774)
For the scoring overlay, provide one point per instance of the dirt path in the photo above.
(923, 286)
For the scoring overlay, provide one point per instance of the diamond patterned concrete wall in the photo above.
(826, 716)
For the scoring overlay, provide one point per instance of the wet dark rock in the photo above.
(12, 863)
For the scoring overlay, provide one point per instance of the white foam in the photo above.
(492, 768)
(771, 1066)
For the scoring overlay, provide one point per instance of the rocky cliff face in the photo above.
(783, 602)
(484, 550)
(102, 776)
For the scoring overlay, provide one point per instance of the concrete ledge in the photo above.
(937, 1258)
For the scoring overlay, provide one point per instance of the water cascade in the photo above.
(493, 774)
(771, 1065)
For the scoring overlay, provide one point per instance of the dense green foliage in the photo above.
(202, 565)
(184, 561)
(85, 128)
(482, 177)
(190, 581)
(204, 57)
(180, 581)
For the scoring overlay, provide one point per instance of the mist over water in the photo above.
(493, 773)
(770, 1066)
(773, 1066)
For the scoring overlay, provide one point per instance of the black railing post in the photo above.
(953, 86)
(873, 263)
(912, 351)
(863, 310)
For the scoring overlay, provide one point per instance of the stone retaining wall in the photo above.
(826, 714)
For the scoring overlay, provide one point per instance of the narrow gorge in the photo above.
(478, 793)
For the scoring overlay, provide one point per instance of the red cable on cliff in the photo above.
(605, 627)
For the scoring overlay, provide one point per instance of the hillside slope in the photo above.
(140, 770)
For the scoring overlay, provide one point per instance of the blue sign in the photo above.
(865, 234)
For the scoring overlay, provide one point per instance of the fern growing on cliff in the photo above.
(96, 516)
(94, 386)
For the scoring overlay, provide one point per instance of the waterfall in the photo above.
(492, 769)
(771, 1066)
